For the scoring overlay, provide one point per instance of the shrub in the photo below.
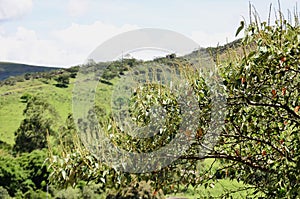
(4, 193)
(136, 191)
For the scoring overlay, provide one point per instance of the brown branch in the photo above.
(285, 107)
(228, 157)
(262, 141)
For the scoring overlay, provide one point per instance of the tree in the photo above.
(259, 142)
(27, 172)
(67, 134)
(12, 175)
(37, 124)
(34, 165)
(62, 80)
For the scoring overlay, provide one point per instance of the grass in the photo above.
(11, 106)
(216, 190)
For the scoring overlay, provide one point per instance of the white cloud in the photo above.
(205, 39)
(72, 45)
(77, 8)
(11, 9)
(25, 47)
(83, 39)
(67, 47)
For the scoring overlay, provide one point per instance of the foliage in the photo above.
(68, 193)
(36, 194)
(26, 173)
(118, 68)
(73, 71)
(261, 138)
(258, 145)
(137, 190)
(4, 193)
(90, 191)
(11, 111)
(12, 175)
(5, 146)
(67, 133)
(33, 130)
(14, 69)
(259, 142)
(25, 97)
(62, 80)
(34, 164)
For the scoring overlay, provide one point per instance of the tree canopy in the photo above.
(258, 143)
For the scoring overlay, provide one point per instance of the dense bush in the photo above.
(37, 124)
(63, 80)
(136, 191)
(4, 193)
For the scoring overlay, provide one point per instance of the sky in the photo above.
(63, 33)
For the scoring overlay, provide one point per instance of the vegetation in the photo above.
(257, 145)
(37, 125)
(13, 69)
(255, 153)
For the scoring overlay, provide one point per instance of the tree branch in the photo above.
(228, 157)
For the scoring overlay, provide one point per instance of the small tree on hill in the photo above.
(37, 124)
(62, 80)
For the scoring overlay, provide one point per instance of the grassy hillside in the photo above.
(11, 106)
(14, 69)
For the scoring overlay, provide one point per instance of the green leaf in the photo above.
(240, 28)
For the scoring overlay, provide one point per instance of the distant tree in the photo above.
(37, 124)
(25, 97)
(27, 76)
(62, 80)
(73, 71)
(171, 56)
(67, 133)
(137, 190)
(10, 81)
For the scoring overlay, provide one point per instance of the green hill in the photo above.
(8, 69)
(45, 85)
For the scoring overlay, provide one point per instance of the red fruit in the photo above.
(172, 187)
(283, 91)
(287, 67)
(273, 93)
(281, 141)
(264, 153)
(243, 80)
(237, 152)
(297, 109)
(283, 59)
(199, 133)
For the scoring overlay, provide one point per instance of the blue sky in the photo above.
(65, 32)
